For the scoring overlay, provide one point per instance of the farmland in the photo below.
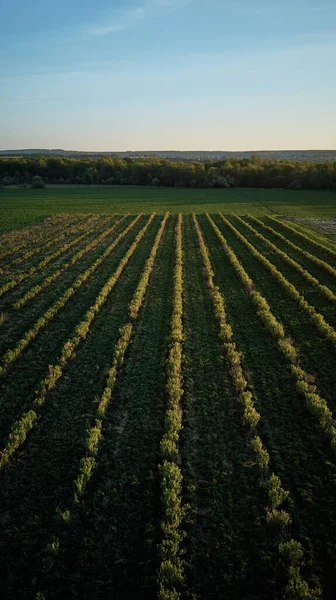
(168, 396)
(22, 207)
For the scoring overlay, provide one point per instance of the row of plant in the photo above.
(320, 263)
(20, 277)
(305, 238)
(323, 289)
(304, 381)
(15, 240)
(37, 289)
(94, 433)
(321, 324)
(11, 237)
(62, 237)
(36, 235)
(12, 355)
(171, 569)
(25, 423)
(88, 463)
(271, 482)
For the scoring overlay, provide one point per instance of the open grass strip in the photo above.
(317, 406)
(37, 289)
(12, 355)
(319, 321)
(25, 423)
(62, 237)
(171, 570)
(323, 289)
(276, 493)
(36, 237)
(320, 263)
(302, 236)
(9, 285)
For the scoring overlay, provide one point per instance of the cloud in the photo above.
(129, 17)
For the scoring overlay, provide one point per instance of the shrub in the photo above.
(38, 185)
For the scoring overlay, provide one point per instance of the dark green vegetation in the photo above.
(252, 171)
(22, 207)
(167, 401)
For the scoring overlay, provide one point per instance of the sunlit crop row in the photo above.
(310, 240)
(319, 321)
(317, 405)
(277, 495)
(25, 423)
(320, 263)
(171, 570)
(37, 289)
(11, 355)
(15, 241)
(323, 289)
(21, 277)
(62, 237)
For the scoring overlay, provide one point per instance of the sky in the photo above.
(168, 74)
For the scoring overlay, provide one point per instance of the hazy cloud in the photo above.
(130, 16)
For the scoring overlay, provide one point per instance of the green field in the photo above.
(167, 389)
(19, 207)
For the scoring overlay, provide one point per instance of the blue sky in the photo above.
(168, 74)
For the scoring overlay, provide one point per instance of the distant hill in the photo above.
(201, 155)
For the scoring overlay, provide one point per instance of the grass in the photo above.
(19, 207)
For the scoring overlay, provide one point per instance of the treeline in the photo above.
(110, 170)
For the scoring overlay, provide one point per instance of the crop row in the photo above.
(62, 237)
(122, 344)
(307, 276)
(35, 235)
(26, 233)
(12, 355)
(276, 494)
(12, 283)
(171, 569)
(33, 291)
(303, 237)
(291, 551)
(25, 423)
(317, 405)
(319, 321)
(94, 433)
(320, 263)
(15, 240)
